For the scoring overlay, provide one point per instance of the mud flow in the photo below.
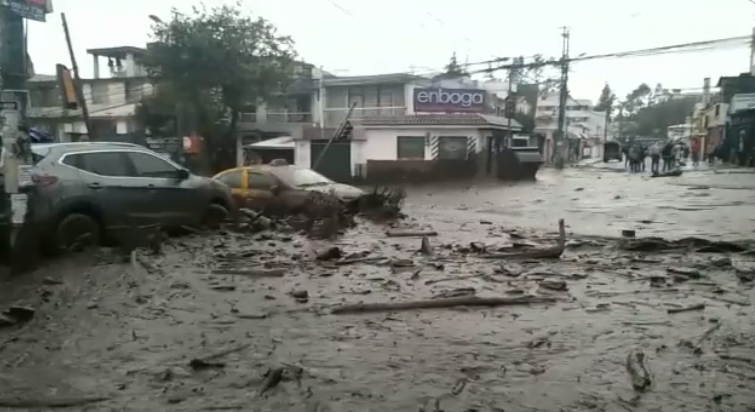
(475, 300)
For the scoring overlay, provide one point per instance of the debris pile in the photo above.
(381, 204)
(323, 214)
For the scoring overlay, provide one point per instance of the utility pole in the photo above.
(77, 80)
(563, 97)
(14, 100)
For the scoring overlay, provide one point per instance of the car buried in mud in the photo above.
(282, 187)
(93, 192)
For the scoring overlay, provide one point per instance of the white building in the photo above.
(399, 121)
(111, 97)
(582, 122)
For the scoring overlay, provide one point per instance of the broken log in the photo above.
(425, 248)
(254, 273)
(54, 403)
(638, 371)
(547, 253)
(439, 303)
(699, 306)
(410, 233)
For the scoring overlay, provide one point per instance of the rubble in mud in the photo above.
(275, 315)
(323, 215)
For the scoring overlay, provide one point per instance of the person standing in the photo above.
(695, 150)
(667, 154)
(655, 158)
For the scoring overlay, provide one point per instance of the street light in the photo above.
(156, 19)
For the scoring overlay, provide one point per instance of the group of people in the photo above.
(669, 153)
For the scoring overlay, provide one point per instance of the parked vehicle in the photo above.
(612, 151)
(93, 190)
(261, 186)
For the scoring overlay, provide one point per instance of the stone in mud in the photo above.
(301, 295)
(331, 252)
(558, 285)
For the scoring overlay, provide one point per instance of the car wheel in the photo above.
(214, 216)
(76, 232)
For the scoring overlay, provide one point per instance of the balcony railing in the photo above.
(334, 116)
(276, 117)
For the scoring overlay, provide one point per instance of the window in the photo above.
(260, 181)
(452, 148)
(147, 165)
(410, 147)
(100, 163)
(100, 93)
(232, 179)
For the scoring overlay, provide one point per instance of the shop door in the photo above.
(335, 163)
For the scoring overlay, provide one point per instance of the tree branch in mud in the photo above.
(19, 403)
(439, 304)
(548, 253)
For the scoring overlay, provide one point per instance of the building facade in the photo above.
(111, 97)
(585, 127)
(398, 124)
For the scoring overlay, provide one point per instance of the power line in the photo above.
(676, 48)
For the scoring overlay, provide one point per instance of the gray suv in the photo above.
(92, 190)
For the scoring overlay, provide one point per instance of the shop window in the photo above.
(410, 147)
(452, 148)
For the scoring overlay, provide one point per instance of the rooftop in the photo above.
(399, 78)
(461, 119)
(117, 52)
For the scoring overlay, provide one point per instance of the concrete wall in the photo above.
(381, 165)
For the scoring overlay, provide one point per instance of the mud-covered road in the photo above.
(118, 337)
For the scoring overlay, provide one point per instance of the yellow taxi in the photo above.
(259, 186)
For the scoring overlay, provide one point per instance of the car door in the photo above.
(177, 201)
(260, 192)
(104, 181)
(236, 179)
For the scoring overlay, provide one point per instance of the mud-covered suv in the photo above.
(92, 190)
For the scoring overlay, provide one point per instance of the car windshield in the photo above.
(307, 177)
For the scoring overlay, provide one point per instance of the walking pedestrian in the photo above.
(643, 157)
(634, 158)
(667, 154)
(655, 158)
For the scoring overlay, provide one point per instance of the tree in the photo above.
(454, 69)
(215, 61)
(606, 99)
(646, 111)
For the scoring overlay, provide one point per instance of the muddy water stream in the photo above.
(115, 331)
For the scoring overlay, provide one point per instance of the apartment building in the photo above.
(111, 95)
(583, 124)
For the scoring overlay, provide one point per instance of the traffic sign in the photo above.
(29, 9)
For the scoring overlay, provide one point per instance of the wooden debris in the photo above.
(548, 253)
(19, 403)
(425, 248)
(272, 379)
(210, 361)
(409, 233)
(699, 306)
(638, 372)
(254, 273)
(440, 303)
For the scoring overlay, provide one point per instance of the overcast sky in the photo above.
(356, 37)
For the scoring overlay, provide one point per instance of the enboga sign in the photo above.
(449, 100)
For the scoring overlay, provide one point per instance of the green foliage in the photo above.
(215, 61)
(648, 112)
(606, 100)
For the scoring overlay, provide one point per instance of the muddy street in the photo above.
(237, 321)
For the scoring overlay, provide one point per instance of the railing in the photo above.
(276, 117)
(334, 116)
